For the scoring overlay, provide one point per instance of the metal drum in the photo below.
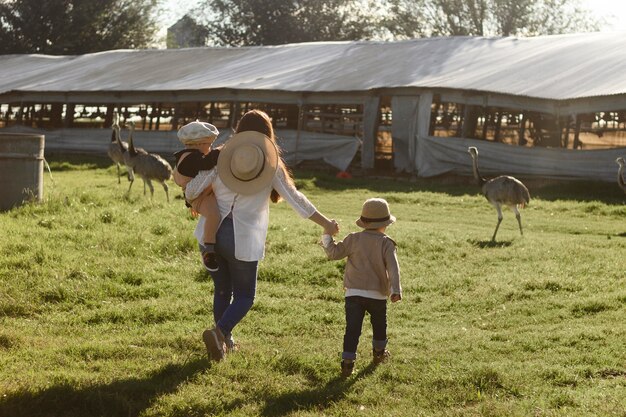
(21, 169)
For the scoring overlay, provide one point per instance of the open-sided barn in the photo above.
(551, 106)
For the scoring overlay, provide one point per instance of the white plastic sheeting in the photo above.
(337, 151)
(550, 67)
(443, 155)
(404, 127)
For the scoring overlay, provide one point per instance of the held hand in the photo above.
(332, 228)
(395, 297)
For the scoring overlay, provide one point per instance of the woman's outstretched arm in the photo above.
(331, 227)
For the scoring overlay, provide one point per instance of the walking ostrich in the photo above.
(148, 166)
(115, 152)
(502, 190)
(620, 173)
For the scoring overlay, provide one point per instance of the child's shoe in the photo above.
(347, 367)
(380, 356)
(210, 261)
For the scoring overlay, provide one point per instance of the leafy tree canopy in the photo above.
(415, 18)
(60, 27)
(274, 22)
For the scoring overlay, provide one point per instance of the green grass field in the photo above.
(103, 300)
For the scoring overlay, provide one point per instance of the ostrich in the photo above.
(148, 166)
(620, 173)
(502, 190)
(115, 152)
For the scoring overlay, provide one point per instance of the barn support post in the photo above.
(371, 115)
(8, 116)
(300, 120)
(496, 135)
(108, 119)
(158, 115)
(577, 133)
(522, 130)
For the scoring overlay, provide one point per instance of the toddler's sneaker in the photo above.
(209, 259)
(347, 367)
(380, 356)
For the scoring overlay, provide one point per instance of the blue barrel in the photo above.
(21, 169)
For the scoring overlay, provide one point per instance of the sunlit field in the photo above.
(103, 300)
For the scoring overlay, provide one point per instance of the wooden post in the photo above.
(522, 131)
(108, 118)
(20, 114)
(577, 133)
(158, 116)
(7, 116)
(496, 135)
(56, 115)
(300, 120)
(175, 116)
(40, 118)
(566, 137)
(486, 122)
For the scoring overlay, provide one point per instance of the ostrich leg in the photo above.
(493, 239)
(165, 187)
(518, 216)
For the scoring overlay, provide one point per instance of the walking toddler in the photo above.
(371, 275)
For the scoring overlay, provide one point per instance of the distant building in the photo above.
(186, 33)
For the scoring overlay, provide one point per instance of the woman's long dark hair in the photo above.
(259, 121)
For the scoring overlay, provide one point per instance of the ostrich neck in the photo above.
(477, 176)
(119, 141)
(620, 177)
(131, 146)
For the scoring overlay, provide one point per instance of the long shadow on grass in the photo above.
(126, 397)
(313, 399)
(483, 244)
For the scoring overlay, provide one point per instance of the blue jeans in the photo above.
(235, 281)
(356, 307)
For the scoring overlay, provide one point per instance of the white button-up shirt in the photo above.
(250, 212)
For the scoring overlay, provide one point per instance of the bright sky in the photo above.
(614, 11)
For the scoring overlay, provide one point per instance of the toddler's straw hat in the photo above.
(248, 162)
(374, 214)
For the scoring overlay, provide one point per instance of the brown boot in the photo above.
(214, 342)
(380, 356)
(347, 367)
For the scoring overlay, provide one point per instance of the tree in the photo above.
(416, 18)
(59, 27)
(274, 22)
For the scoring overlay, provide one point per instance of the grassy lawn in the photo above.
(103, 300)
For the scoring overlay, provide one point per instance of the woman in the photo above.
(250, 173)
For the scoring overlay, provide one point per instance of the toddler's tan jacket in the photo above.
(372, 261)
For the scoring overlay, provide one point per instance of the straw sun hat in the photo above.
(374, 214)
(247, 162)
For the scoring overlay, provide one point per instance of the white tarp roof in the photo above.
(548, 67)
